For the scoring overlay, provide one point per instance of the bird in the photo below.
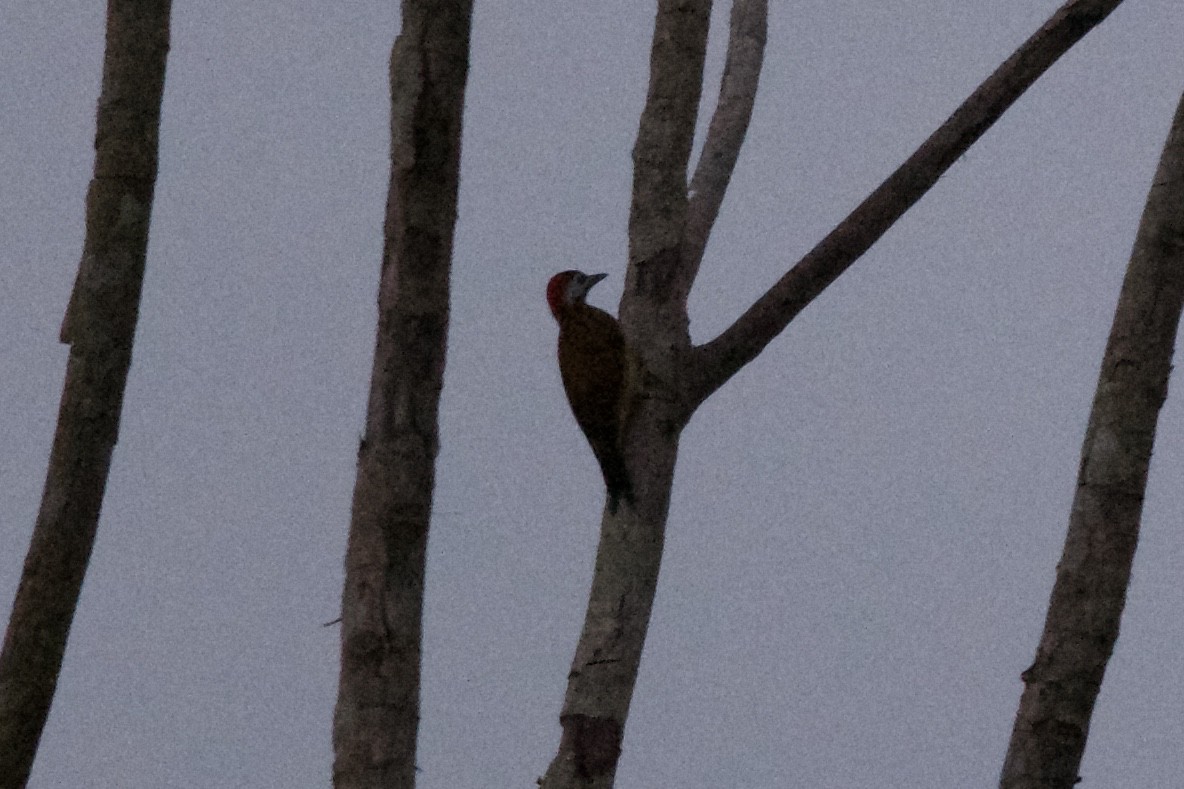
(593, 363)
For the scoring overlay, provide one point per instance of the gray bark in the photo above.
(99, 326)
(668, 231)
(747, 30)
(1061, 686)
(654, 319)
(377, 713)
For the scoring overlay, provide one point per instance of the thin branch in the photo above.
(1060, 688)
(717, 361)
(725, 136)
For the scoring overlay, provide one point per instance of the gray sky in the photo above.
(865, 522)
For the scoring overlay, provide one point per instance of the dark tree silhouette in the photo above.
(669, 224)
(1061, 686)
(99, 326)
(377, 714)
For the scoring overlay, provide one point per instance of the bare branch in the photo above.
(100, 325)
(657, 215)
(729, 124)
(1061, 686)
(715, 362)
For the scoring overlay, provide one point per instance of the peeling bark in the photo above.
(377, 715)
(1081, 627)
(99, 326)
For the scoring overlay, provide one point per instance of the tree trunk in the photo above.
(377, 714)
(1061, 686)
(604, 669)
(654, 319)
(99, 326)
(668, 230)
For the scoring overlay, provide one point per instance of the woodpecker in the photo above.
(593, 365)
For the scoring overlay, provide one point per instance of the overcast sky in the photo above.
(865, 522)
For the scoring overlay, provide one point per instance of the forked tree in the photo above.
(670, 220)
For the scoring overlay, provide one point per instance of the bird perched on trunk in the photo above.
(593, 364)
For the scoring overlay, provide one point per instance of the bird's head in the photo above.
(568, 288)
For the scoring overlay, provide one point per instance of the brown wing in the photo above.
(592, 365)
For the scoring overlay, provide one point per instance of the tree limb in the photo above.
(652, 301)
(718, 360)
(99, 326)
(725, 136)
(1081, 627)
